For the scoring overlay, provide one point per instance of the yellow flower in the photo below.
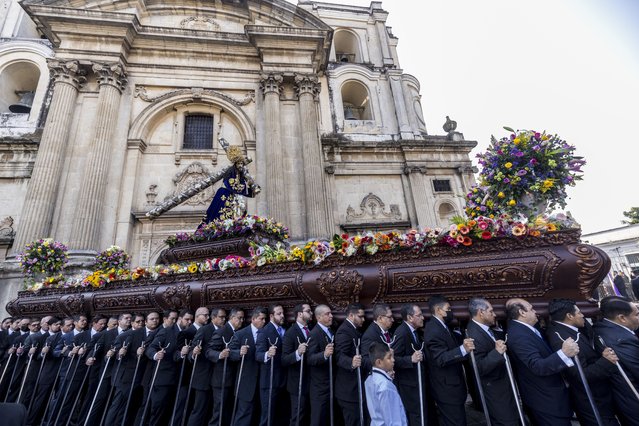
(516, 141)
(548, 183)
(544, 138)
(508, 165)
(551, 227)
(512, 202)
(501, 195)
(192, 268)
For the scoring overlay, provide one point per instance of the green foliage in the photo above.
(632, 215)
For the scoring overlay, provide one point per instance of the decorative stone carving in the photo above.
(199, 23)
(307, 84)
(177, 296)
(110, 74)
(197, 93)
(340, 287)
(271, 83)
(151, 193)
(67, 72)
(6, 229)
(372, 208)
(408, 169)
(193, 173)
(122, 301)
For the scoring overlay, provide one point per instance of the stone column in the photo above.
(85, 235)
(308, 88)
(276, 191)
(40, 200)
(424, 205)
(400, 105)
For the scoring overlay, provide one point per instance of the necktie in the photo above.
(492, 334)
(280, 331)
(306, 332)
(387, 337)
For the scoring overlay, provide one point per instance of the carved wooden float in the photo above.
(553, 265)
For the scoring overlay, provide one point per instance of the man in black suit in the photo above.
(49, 372)
(186, 333)
(163, 351)
(320, 355)
(203, 369)
(617, 330)
(23, 353)
(490, 355)
(101, 358)
(445, 358)
(223, 380)
(619, 282)
(268, 353)
(83, 343)
(132, 344)
(568, 321)
(35, 342)
(408, 354)
(378, 331)
(347, 387)
(538, 368)
(243, 348)
(294, 347)
(10, 353)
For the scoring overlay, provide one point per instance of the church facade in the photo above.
(128, 100)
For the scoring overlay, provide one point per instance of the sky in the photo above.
(569, 67)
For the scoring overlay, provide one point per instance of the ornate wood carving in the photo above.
(591, 262)
(340, 287)
(177, 296)
(539, 269)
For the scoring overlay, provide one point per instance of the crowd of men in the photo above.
(238, 367)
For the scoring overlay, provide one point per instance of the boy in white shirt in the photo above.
(382, 399)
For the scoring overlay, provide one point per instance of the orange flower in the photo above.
(467, 241)
(534, 233)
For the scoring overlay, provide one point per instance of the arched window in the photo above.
(356, 101)
(18, 83)
(347, 47)
(446, 213)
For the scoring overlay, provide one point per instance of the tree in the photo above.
(632, 215)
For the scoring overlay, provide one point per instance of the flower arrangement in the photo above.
(461, 233)
(229, 228)
(112, 258)
(44, 256)
(520, 172)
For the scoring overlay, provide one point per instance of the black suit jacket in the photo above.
(626, 346)
(250, 369)
(290, 362)
(104, 343)
(405, 369)
(445, 364)
(167, 372)
(203, 367)
(133, 339)
(372, 334)
(269, 331)
(538, 371)
(346, 377)
(51, 363)
(217, 345)
(597, 369)
(318, 365)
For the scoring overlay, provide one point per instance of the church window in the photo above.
(18, 83)
(346, 47)
(441, 185)
(356, 101)
(198, 132)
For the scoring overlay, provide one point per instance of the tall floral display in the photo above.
(43, 260)
(524, 174)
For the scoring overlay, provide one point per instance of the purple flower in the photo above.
(521, 172)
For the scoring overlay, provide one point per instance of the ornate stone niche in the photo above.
(373, 215)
